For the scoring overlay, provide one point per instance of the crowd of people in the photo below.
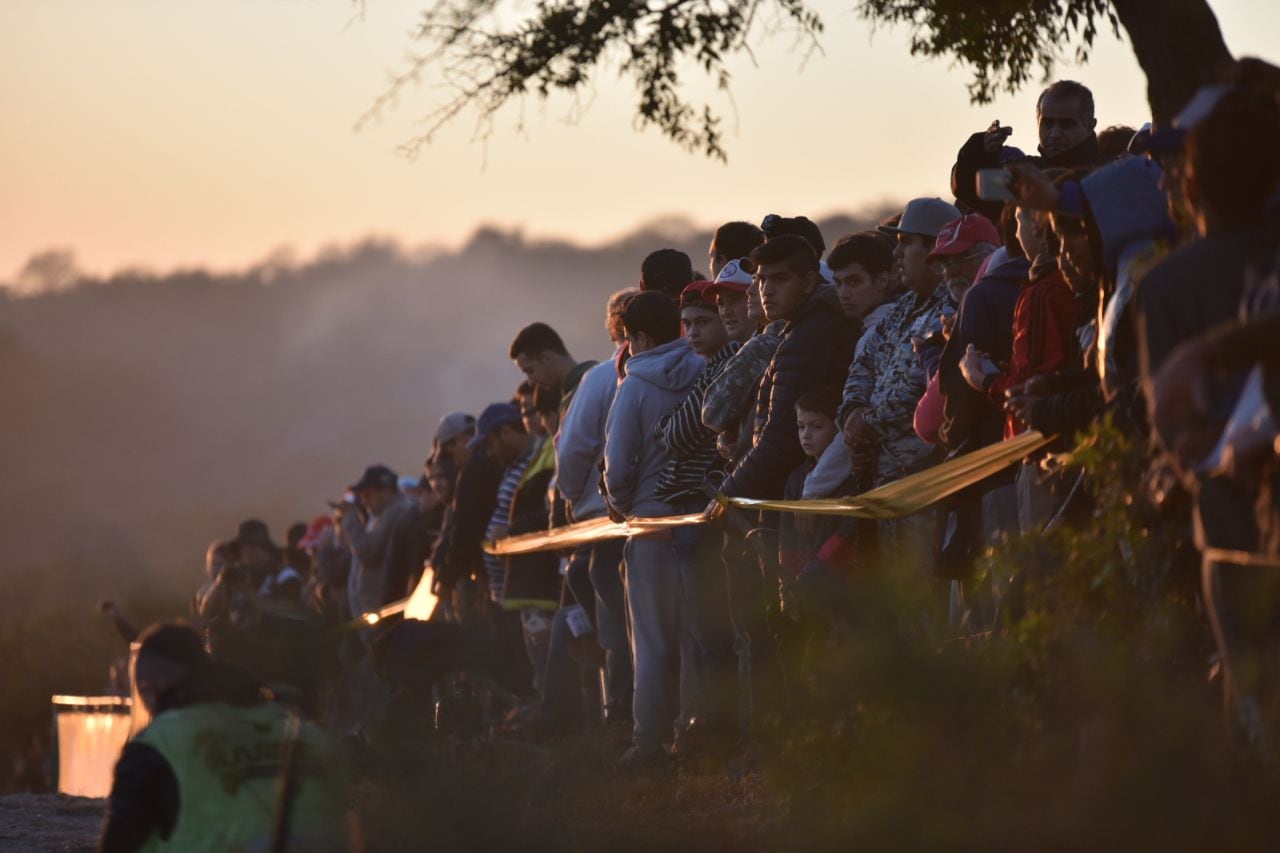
(1118, 274)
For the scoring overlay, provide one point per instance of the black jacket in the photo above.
(970, 419)
(973, 156)
(459, 552)
(816, 348)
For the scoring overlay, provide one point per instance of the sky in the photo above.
(173, 133)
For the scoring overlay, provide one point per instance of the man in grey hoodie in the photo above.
(660, 372)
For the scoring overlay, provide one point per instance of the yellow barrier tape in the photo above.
(918, 491)
(900, 498)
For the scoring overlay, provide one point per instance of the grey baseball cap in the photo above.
(453, 425)
(927, 216)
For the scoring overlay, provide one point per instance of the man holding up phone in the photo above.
(1065, 123)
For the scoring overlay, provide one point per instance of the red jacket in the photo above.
(1044, 337)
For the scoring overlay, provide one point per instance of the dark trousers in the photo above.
(605, 571)
(705, 613)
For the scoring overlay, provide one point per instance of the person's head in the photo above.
(700, 319)
(731, 241)
(523, 401)
(1030, 231)
(167, 654)
(961, 248)
(729, 292)
(1064, 117)
(546, 410)
(319, 530)
(613, 315)
(1008, 227)
(500, 430)
(816, 420)
(294, 533)
(254, 542)
(667, 271)
(775, 226)
(440, 476)
(651, 319)
(541, 355)
(787, 270)
(1076, 258)
(376, 488)
(860, 265)
(217, 557)
(1113, 141)
(917, 231)
(1232, 166)
(452, 434)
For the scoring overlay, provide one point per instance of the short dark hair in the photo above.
(865, 249)
(1068, 89)
(735, 240)
(824, 401)
(174, 641)
(1234, 154)
(775, 226)
(535, 339)
(1114, 141)
(524, 391)
(790, 249)
(655, 314)
(668, 271)
(1008, 226)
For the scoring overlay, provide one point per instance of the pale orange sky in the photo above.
(179, 132)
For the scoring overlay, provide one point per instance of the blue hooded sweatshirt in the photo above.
(656, 382)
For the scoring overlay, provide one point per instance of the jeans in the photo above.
(605, 572)
(705, 607)
(653, 602)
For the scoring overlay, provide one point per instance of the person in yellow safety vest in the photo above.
(219, 767)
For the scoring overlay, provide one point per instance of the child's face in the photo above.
(817, 431)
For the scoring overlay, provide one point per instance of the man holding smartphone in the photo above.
(1066, 127)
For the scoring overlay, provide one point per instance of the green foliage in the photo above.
(1004, 42)
(562, 44)
(489, 53)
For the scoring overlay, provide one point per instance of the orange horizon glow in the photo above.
(184, 134)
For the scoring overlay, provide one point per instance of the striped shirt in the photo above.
(496, 567)
(689, 443)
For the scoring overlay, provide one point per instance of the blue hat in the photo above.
(494, 416)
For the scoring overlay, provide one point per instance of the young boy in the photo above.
(801, 537)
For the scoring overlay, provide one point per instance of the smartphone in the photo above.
(995, 185)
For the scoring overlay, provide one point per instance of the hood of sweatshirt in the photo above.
(672, 366)
(1127, 205)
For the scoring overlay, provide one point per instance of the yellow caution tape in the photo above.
(918, 491)
(898, 499)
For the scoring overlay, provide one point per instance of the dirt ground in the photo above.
(49, 822)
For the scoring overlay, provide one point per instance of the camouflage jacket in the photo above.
(732, 396)
(888, 379)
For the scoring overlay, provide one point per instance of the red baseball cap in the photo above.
(698, 293)
(960, 235)
(315, 530)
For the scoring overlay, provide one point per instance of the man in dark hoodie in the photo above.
(1066, 125)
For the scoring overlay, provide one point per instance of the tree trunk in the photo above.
(1179, 46)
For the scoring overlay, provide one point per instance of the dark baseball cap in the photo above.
(494, 416)
(376, 477)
